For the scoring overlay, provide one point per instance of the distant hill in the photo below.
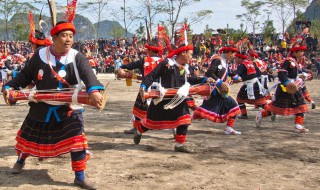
(19, 27)
(313, 10)
(106, 26)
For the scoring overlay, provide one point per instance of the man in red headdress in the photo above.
(262, 66)
(170, 73)
(252, 92)
(220, 107)
(50, 130)
(145, 65)
(288, 97)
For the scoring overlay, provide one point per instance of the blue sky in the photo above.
(224, 12)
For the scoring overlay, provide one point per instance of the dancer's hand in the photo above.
(210, 80)
(6, 96)
(223, 88)
(96, 99)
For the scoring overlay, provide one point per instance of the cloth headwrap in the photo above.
(155, 48)
(234, 49)
(61, 27)
(180, 50)
(241, 56)
(298, 48)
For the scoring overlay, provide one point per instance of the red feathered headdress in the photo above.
(70, 14)
(32, 38)
(181, 41)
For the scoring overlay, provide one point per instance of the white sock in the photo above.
(298, 126)
(178, 144)
(138, 132)
(229, 128)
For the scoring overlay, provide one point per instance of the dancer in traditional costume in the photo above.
(262, 66)
(252, 92)
(50, 130)
(220, 107)
(171, 73)
(145, 65)
(288, 97)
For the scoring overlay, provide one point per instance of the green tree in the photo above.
(128, 15)
(140, 32)
(285, 8)
(315, 27)
(151, 8)
(174, 8)
(268, 29)
(253, 15)
(116, 31)
(8, 8)
(98, 10)
(282, 10)
(295, 4)
(208, 32)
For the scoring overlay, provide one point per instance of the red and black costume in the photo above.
(170, 75)
(284, 102)
(145, 66)
(51, 130)
(218, 108)
(252, 92)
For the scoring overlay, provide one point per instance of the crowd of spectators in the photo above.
(109, 54)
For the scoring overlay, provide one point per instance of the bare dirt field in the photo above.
(267, 158)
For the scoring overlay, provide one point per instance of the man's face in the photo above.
(298, 54)
(230, 55)
(237, 60)
(33, 47)
(63, 41)
(187, 55)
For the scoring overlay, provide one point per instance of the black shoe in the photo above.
(183, 149)
(17, 168)
(273, 117)
(85, 184)
(243, 117)
(313, 105)
(130, 131)
(136, 137)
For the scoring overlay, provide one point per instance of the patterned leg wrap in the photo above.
(142, 129)
(136, 123)
(181, 139)
(21, 155)
(265, 113)
(299, 119)
(230, 122)
(243, 109)
(181, 135)
(79, 160)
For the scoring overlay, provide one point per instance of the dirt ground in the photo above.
(266, 158)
